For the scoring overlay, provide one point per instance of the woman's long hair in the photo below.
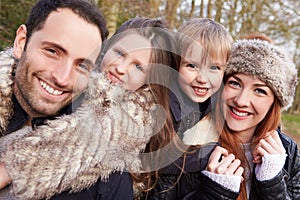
(230, 140)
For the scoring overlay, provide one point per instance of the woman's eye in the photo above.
(191, 65)
(260, 91)
(233, 83)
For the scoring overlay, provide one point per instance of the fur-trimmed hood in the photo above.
(105, 134)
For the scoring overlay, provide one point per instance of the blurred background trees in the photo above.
(12, 14)
(278, 19)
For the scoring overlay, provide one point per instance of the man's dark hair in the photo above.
(83, 8)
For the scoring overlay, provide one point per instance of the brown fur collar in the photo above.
(7, 63)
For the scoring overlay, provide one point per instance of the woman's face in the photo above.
(127, 61)
(247, 100)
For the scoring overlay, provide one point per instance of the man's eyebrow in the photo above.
(54, 45)
(87, 61)
(57, 46)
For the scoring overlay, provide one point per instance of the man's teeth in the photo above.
(240, 114)
(50, 89)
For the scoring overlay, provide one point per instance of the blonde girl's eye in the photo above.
(190, 65)
(215, 67)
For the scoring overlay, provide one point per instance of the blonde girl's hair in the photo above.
(214, 40)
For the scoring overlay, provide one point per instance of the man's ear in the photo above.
(20, 41)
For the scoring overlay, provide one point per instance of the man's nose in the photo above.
(63, 74)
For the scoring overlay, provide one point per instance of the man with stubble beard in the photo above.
(50, 62)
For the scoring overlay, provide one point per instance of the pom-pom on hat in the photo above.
(268, 63)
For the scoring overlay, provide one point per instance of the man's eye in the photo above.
(84, 67)
(51, 51)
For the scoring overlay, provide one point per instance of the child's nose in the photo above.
(201, 77)
(122, 68)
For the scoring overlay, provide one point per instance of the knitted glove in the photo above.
(271, 166)
(230, 182)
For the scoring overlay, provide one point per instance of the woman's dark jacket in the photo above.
(286, 185)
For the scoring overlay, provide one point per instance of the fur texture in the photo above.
(105, 134)
(6, 81)
(267, 62)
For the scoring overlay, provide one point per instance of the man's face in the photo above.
(57, 62)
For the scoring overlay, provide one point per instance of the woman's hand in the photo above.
(220, 162)
(5, 179)
(269, 145)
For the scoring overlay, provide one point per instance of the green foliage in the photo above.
(12, 14)
(293, 118)
(291, 125)
(124, 16)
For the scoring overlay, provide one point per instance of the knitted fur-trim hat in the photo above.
(268, 63)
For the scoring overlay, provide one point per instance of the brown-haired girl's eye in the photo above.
(139, 67)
